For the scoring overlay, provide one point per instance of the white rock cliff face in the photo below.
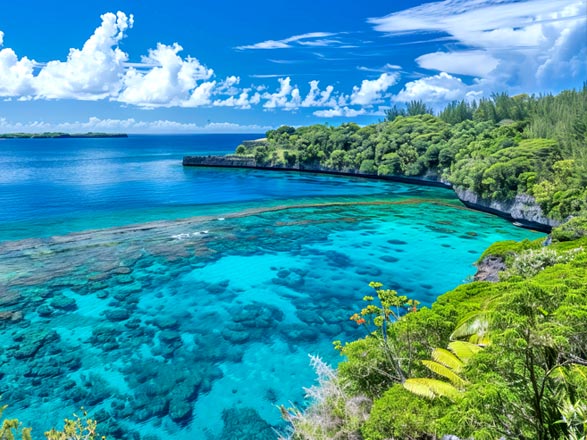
(523, 208)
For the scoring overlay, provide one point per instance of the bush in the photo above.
(368, 167)
(529, 263)
(573, 229)
(241, 149)
(334, 413)
(399, 414)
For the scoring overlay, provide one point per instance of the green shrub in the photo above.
(530, 262)
(573, 229)
(241, 149)
(368, 167)
(399, 414)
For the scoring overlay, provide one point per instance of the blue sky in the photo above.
(234, 66)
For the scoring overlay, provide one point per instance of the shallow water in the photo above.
(198, 328)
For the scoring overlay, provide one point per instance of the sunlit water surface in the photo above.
(183, 303)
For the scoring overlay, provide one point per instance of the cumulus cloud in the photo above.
(437, 89)
(372, 91)
(100, 70)
(16, 75)
(242, 101)
(130, 125)
(93, 72)
(289, 97)
(281, 98)
(524, 41)
(171, 81)
(309, 39)
(319, 98)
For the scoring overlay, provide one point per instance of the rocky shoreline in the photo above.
(523, 210)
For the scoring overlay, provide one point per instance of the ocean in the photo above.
(183, 303)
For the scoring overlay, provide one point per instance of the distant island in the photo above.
(58, 135)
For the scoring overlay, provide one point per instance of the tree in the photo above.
(414, 108)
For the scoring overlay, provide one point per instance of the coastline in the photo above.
(58, 135)
(523, 210)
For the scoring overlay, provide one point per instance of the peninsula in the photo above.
(510, 156)
(59, 135)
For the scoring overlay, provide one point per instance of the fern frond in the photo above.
(447, 359)
(472, 323)
(443, 371)
(431, 388)
(420, 386)
(480, 340)
(464, 350)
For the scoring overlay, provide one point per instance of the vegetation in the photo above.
(516, 364)
(498, 148)
(488, 360)
(79, 428)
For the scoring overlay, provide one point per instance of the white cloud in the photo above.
(309, 39)
(524, 40)
(320, 42)
(344, 112)
(437, 89)
(470, 62)
(15, 75)
(386, 68)
(172, 81)
(289, 97)
(371, 91)
(318, 98)
(92, 73)
(280, 99)
(100, 70)
(243, 101)
(130, 125)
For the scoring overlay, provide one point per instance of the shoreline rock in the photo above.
(523, 209)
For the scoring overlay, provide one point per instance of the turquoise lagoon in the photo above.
(183, 303)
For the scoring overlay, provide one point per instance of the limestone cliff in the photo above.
(522, 209)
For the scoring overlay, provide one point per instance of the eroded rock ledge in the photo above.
(523, 209)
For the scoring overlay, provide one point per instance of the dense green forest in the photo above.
(497, 148)
(488, 360)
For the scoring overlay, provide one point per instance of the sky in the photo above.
(179, 66)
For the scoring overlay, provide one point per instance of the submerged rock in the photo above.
(63, 302)
(245, 423)
(117, 315)
(180, 411)
(11, 316)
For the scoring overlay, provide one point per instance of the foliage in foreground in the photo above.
(527, 378)
(78, 428)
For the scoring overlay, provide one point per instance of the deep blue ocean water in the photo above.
(183, 302)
